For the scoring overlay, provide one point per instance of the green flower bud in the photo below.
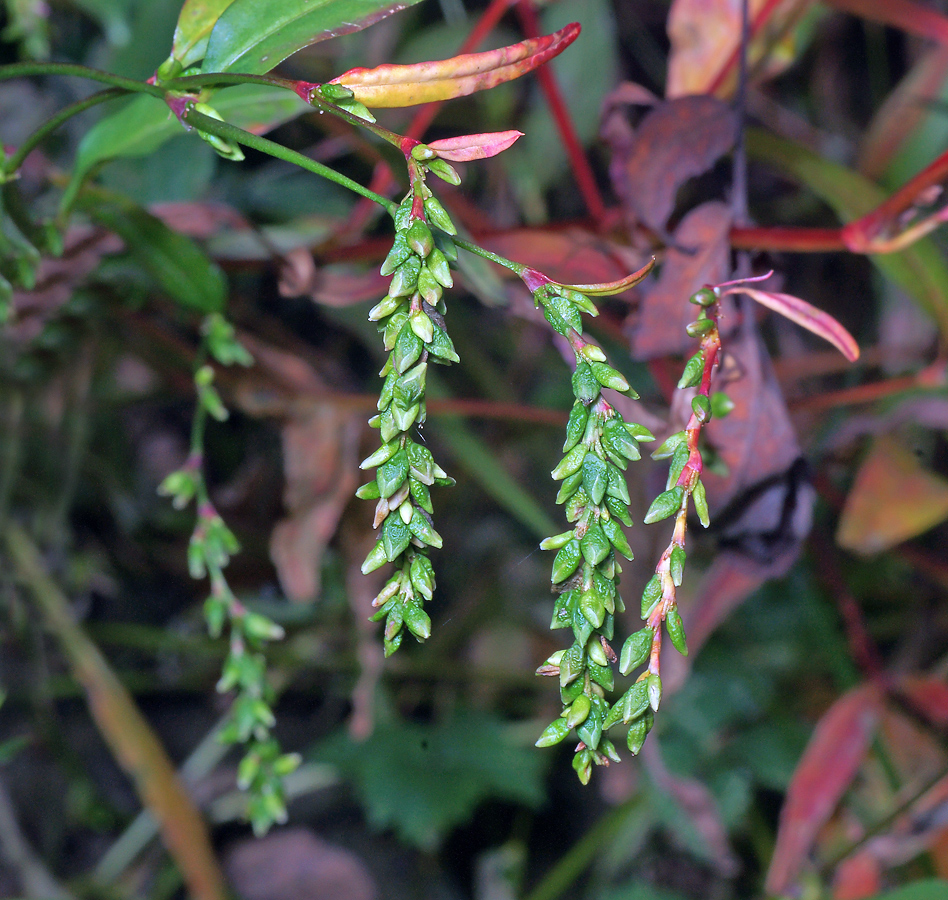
(700, 500)
(578, 711)
(397, 255)
(419, 238)
(676, 564)
(437, 216)
(635, 650)
(566, 561)
(694, 369)
(664, 505)
(554, 733)
(651, 595)
(445, 171)
(676, 630)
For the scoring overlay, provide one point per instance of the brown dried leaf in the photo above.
(570, 255)
(674, 142)
(320, 462)
(756, 440)
(295, 864)
(701, 256)
(892, 500)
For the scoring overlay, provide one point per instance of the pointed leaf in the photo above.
(391, 85)
(178, 264)
(606, 289)
(195, 23)
(806, 316)
(475, 146)
(893, 499)
(253, 36)
(144, 124)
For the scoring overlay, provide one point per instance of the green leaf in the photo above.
(172, 259)
(143, 125)
(195, 22)
(400, 773)
(928, 889)
(253, 36)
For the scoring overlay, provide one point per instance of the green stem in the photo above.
(238, 135)
(22, 70)
(41, 133)
(190, 83)
(516, 268)
(211, 79)
(563, 875)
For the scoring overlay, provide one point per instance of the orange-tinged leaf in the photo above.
(705, 39)
(468, 147)
(806, 316)
(128, 734)
(830, 762)
(409, 85)
(892, 500)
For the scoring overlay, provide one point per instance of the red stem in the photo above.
(582, 171)
(757, 22)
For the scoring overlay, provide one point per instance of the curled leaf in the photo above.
(806, 316)
(474, 146)
(409, 85)
(606, 289)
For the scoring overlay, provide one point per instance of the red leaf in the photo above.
(829, 764)
(474, 146)
(929, 696)
(806, 316)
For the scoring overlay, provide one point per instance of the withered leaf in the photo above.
(701, 256)
(677, 140)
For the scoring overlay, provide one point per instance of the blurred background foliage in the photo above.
(420, 778)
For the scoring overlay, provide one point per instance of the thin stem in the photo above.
(579, 857)
(189, 83)
(307, 91)
(516, 268)
(239, 136)
(582, 171)
(47, 128)
(22, 70)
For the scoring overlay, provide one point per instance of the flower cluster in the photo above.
(211, 547)
(599, 446)
(411, 321)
